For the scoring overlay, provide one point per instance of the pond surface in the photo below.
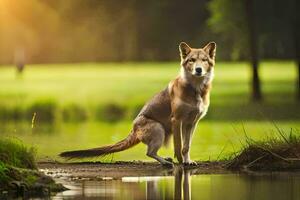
(183, 185)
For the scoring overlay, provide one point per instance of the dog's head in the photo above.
(197, 62)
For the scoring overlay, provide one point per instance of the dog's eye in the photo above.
(191, 60)
(204, 59)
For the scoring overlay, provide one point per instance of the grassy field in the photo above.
(92, 93)
(87, 89)
(133, 82)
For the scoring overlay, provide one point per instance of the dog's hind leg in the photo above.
(153, 135)
(152, 152)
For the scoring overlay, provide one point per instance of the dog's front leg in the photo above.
(176, 128)
(187, 134)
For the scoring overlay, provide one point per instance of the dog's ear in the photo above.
(184, 50)
(210, 49)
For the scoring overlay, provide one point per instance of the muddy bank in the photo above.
(98, 170)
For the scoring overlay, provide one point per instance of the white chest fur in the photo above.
(189, 111)
(193, 110)
(202, 109)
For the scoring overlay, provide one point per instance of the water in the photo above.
(183, 185)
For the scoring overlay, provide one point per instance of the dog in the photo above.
(175, 110)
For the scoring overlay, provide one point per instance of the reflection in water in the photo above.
(185, 185)
(177, 187)
(152, 190)
(182, 187)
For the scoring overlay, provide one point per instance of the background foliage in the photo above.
(100, 30)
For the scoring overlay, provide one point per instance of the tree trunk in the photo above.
(141, 20)
(296, 31)
(253, 39)
(298, 82)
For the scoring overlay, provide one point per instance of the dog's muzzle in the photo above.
(198, 71)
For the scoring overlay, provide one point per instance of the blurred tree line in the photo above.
(133, 30)
(257, 30)
(100, 30)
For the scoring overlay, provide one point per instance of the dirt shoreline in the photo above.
(98, 170)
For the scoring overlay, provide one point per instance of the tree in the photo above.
(296, 34)
(253, 40)
(258, 30)
(235, 19)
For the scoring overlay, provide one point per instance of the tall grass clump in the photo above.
(281, 152)
(19, 173)
(3, 172)
(16, 161)
(14, 153)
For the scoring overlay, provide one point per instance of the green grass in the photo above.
(14, 154)
(271, 153)
(18, 171)
(130, 82)
(86, 95)
(3, 172)
(87, 91)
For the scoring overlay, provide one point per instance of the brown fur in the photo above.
(126, 143)
(176, 109)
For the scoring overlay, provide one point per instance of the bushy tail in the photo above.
(124, 144)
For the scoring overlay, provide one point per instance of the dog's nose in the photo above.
(198, 70)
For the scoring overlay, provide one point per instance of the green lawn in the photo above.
(131, 84)
(134, 82)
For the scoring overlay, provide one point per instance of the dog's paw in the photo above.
(168, 164)
(169, 159)
(190, 163)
